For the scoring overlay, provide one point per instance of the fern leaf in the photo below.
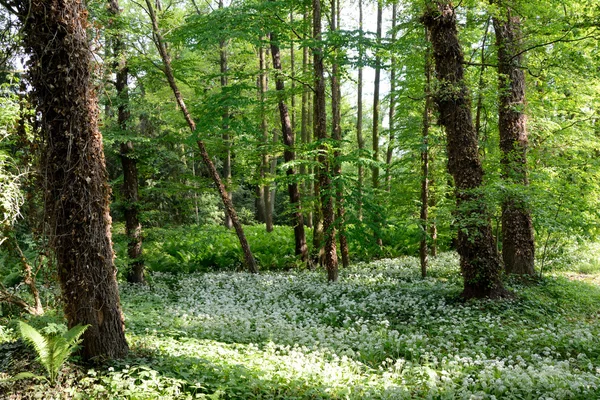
(36, 340)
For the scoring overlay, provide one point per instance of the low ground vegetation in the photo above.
(380, 333)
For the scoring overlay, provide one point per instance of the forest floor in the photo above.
(381, 332)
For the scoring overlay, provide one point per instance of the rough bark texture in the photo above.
(518, 247)
(479, 261)
(325, 185)
(289, 154)
(76, 191)
(229, 209)
(133, 227)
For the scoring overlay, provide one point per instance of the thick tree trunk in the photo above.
(423, 248)
(76, 191)
(359, 112)
(133, 227)
(479, 261)
(320, 129)
(518, 247)
(226, 138)
(336, 95)
(289, 154)
(229, 209)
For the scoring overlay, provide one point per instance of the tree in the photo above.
(325, 187)
(518, 246)
(76, 191)
(229, 209)
(133, 227)
(289, 154)
(479, 261)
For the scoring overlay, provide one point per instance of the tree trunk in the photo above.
(304, 129)
(229, 209)
(423, 248)
(320, 129)
(481, 85)
(376, 108)
(226, 138)
(289, 154)
(336, 129)
(266, 189)
(76, 191)
(392, 111)
(133, 227)
(518, 247)
(359, 111)
(479, 261)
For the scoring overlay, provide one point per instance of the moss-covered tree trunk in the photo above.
(479, 261)
(518, 248)
(76, 191)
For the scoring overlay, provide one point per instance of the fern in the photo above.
(52, 350)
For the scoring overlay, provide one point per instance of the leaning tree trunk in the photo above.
(76, 191)
(479, 261)
(518, 248)
(289, 154)
(325, 186)
(226, 136)
(133, 227)
(229, 209)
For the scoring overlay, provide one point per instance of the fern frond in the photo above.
(36, 340)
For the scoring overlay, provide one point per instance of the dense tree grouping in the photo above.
(372, 129)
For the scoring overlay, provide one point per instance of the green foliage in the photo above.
(53, 345)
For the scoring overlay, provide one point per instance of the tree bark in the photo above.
(289, 154)
(359, 112)
(518, 246)
(304, 129)
(376, 106)
(423, 248)
(226, 137)
(76, 191)
(229, 209)
(265, 170)
(326, 189)
(336, 128)
(133, 227)
(392, 110)
(479, 261)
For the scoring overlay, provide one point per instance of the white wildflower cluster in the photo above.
(380, 332)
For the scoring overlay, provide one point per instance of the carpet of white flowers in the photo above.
(381, 332)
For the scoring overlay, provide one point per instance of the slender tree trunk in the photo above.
(481, 85)
(229, 209)
(480, 264)
(432, 204)
(392, 111)
(133, 227)
(76, 191)
(304, 132)
(289, 154)
(226, 137)
(518, 247)
(376, 109)
(425, 162)
(359, 112)
(325, 186)
(336, 128)
(266, 189)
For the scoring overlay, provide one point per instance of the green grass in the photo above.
(381, 332)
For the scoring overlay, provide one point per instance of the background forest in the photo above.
(447, 157)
